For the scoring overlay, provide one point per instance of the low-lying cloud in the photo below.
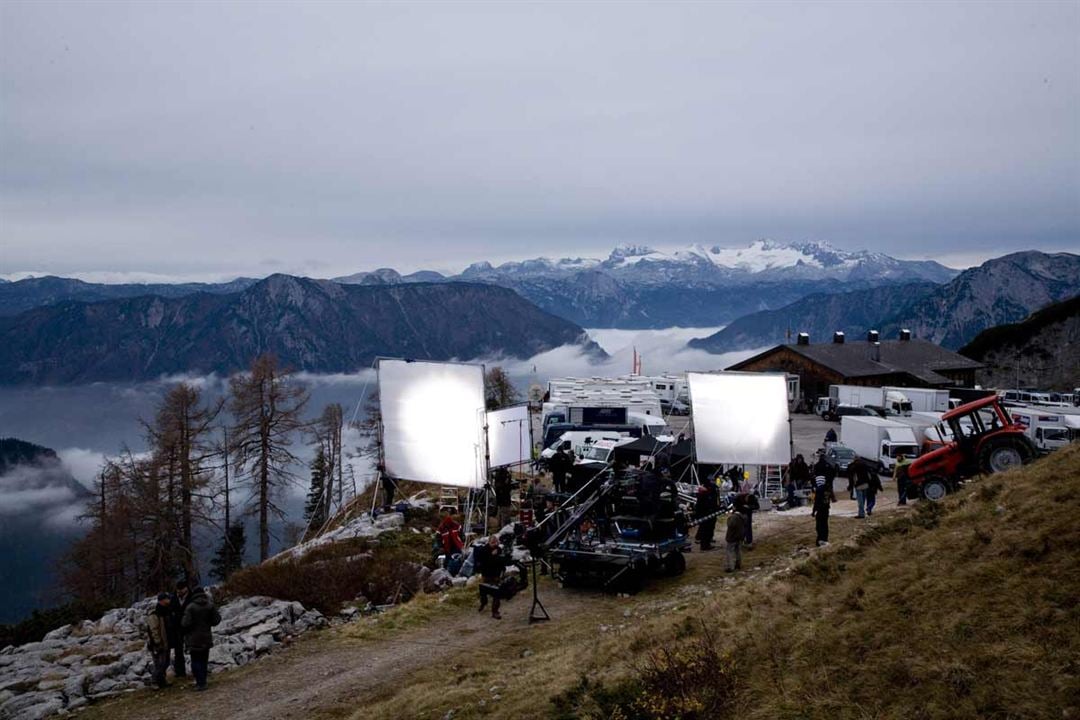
(660, 351)
(44, 493)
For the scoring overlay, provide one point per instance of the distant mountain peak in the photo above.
(630, 251)
(478, 268)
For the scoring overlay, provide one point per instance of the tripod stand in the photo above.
(542, 615)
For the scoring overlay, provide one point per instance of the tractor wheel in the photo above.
(999, 456)
(674, 564)
(935, 489)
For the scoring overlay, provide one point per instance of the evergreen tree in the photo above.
(230, 556)
(315, 507)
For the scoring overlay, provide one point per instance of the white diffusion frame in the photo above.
(433, 421)
(509, 436)
(740, 418)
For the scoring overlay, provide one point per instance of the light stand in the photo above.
(537, 613)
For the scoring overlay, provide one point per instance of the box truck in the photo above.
(891, 400)
(1048, 430)
(878, 440)
(923, 399)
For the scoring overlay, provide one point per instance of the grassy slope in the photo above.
(968, 609)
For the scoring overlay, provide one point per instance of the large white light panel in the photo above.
(740, 418)
(433, 421)
(509, 436)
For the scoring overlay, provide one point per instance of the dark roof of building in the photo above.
(918, 358)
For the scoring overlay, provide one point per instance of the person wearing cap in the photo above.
(157, 628)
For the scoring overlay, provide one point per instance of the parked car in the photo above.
(839, 456)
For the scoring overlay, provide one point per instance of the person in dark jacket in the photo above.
(830, 435)
(388, 488)
(872, 491)
(859, 473)
(177, 604)
(502, 484)
(200, 617)
(736, 532)
(560, 463)
(157, 628)
(706, 504)
(824, 475)
(489, 562)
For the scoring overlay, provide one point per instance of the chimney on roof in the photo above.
(875, 351)
(803, 339)
(905, 335)
(872, 336)
(838, 337)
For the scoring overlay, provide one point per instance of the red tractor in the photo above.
(984, 440)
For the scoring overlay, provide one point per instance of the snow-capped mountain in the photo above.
(637, 286)
(761, 260)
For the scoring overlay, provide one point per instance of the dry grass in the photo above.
(967, 609)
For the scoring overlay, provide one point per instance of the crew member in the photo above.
(824, 475)
(449, 532)
(859, 481)
(489, 561)
(502, 484)
(900, 477)
(706, 504)
(559, 463)
(736, 531)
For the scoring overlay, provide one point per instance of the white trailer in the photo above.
(924, 399)
(878, 440)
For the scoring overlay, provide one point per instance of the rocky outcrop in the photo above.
(76, 664)
(363, 526)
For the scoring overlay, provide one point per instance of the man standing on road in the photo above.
(824, 475)
(177, 604)
(859, 478)
(200, 617)
(872, 491)
(900, 477)
(489, 561)
(157, 627)
(736, 531)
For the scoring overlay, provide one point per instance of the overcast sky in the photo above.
(203, 140)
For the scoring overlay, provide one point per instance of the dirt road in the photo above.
(331, 674)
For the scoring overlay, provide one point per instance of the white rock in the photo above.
(59, 633)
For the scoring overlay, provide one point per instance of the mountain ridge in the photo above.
(313, 325)
(1001, 290)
